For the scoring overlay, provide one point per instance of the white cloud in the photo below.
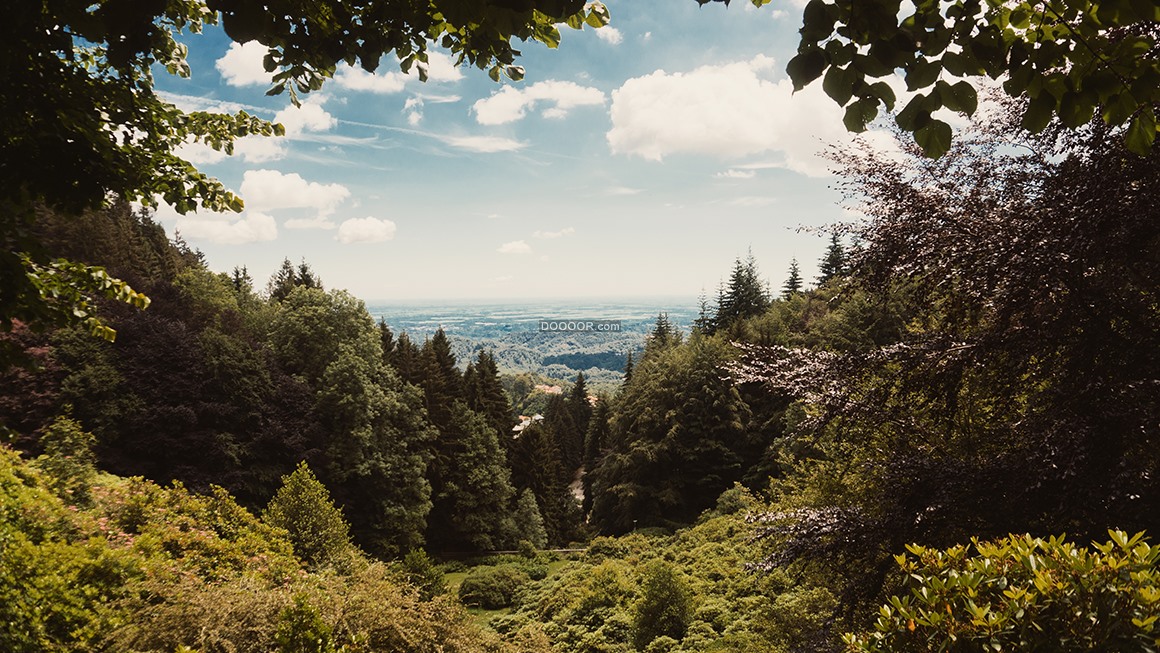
(728, 111)
(515, 247)
(310, 116)
(252, 227)
(440, 68)
(482, 144)
(270, 189)
(511, 103)
(624, 191)
(566, 231)
(357, 79)
(413, 108)
(365, 230)
(242, 65)
(610, 35)
(735, 173)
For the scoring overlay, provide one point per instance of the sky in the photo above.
(637, 160)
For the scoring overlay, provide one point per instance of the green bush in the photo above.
(1026, 594)
(665, 608)
(302, 507)
(492, 588)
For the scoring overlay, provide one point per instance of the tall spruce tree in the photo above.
(441, 380)
(793, 283)
(833, 263)
(744, 296)
(485, 394)
(595, 444)
(536, 466)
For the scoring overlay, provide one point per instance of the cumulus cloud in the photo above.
(242, 65)
(482, 144)
(269, 189)
(511, 103)
(365, 230)
(252, 227)
(309, 117)
(515, 247)
(440, 68)
(566, 231)
(728, 111)
(610, 35)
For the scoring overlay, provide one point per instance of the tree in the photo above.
(84, 124)
(302, 507)
(288, 277)
(665, 607)
(485, 394)
(1011, 398)
(471, 491)
(744, 296)
(833, 263)
(793, 283)
(1070, 59)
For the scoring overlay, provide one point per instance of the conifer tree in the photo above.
(406, 358)
(441, 381)
(471, 486)
(833, 263)
(579, 404)
(288, 277)
(387, 339)
(529, 523)
(485, 394)
(663, 336)
(744, 296)
(535, 465)
(793, 284)
(627, 369)
(706, 320)
(595, 443)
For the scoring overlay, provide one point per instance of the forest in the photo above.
(946, 441)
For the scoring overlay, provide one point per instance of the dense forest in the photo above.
(977, 358)
(946, 441)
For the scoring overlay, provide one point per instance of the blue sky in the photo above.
(636, 160)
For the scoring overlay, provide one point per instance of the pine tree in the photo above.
(441, 381)
(663, 336)
(387, 339)
(579, 404)
(535, 465)
(595, 443)
(793, 284)
(833, 263)
(627, 369)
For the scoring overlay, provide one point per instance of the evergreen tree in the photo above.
(302, 507)
(441, 381)
(628, 368)
(288, 277)
(387, 340)
(579, 404)
(744, 296)
(677, 440)
(406, 359)
(595, 443)
(569, 439)
(706, 320)
(471, 487)
(663, 336)
(536, 466)
(485, 394)
(529, 523)
(833, 263)
(793, 284)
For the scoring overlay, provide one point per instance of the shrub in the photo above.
(302, 507)
(492, 588)
(1024, 593)
(665, 608)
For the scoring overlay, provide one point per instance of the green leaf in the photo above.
(922, 73)
(1039, 112)
(934, 138)
(838, 85)
(806, 67)
(859, 114)
(913, 115)
(882, 91)
(1141, 132)
(961, 97)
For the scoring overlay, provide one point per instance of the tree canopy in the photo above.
(1070, 59)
